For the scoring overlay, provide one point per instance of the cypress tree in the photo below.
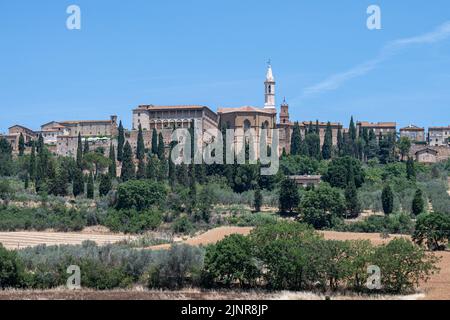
(80, 152)
(418, 204)
(172, 172)
(192, 189)
(288, 197)
(140, 149)
(154, 142)
(387, 199)
(351, 199)
(183, 175)
(40, 144)
(410, 169)
(317, 128)
(112, 164)
(128, 168)
(32, 165)
(86, 147)
(141, 170)
(120, 142)
(312, 142)
(21, 145)
(372, 148)
(352, 130)
(78, 182)
(257, 201)
(296, 139)
(162, 170)
(152, 168)
(90, 187)
(27, 182)
(340, 141)
(327, 143)
(105, 185)
(351, 193)
(161, 147)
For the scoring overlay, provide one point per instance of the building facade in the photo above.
(439, 136)
(380, 128)
(14, 133)
(414, 133)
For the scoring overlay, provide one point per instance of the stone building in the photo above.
(87, 128)
(62, 136)
(414, 133)
(429, 154)
(67, 146)
(307, 180)
(439, 136)
(51, 131)
(167, 118)
(247, 118)
(14, 133)
(380, 128)
(286, 127)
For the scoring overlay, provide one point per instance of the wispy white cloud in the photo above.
(335, 81)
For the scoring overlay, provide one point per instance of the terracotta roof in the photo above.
(412, 128)
(18, 125)
(378, 124)
(184, 107)
(84, 121)
(303, 124)
(439, 128)
(426, 150)
(246, 109)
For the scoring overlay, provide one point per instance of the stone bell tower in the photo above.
(269, 89)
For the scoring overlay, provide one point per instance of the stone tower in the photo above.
(284, 114)
(270, 89)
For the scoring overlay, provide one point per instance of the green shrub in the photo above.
(230, 262)
(133, 221)
(395, 224)
(11, 269)
(434, 230)
(175, 268)
(403, 265)
(182, 225)
(140, 194)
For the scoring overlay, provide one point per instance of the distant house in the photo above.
(427, 155)
(380, 128)
(14, 133)
(414, 133)
(439, 136)
(306, 180)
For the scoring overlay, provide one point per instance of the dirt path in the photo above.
(19, 240)
(209, 237)
(217, 234)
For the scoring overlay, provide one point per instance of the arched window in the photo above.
(247, 125)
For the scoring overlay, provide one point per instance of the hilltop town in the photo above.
(61, 137)
(93, 206)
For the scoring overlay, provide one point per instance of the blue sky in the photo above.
(326, 62)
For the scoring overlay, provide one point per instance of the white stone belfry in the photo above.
(270, 89)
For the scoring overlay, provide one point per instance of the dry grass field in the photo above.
(189, 294)
(18, 240)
